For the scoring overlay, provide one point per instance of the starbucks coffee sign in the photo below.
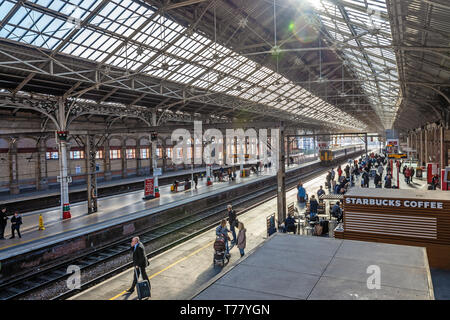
(395, 203)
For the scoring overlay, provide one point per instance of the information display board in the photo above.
(149, 187)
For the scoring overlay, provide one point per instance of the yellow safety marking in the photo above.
(115, 297)
(170, 266)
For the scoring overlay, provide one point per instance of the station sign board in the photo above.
(149, 187)
(398, 156)
(392, 146)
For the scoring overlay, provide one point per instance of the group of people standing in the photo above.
(222, 231)
(408, 172)
(302, 198)
(343, 181)
(16, 222)
(219, 175)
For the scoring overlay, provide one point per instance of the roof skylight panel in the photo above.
(270, 79)
(191, 70)
(21, 26)
(5, 7)
(218, 88)
(257, 76)
(276, 87)
(355, 2)
(201, 84)
(246, 95)
(229, 82)
(263, 94)
(154, 67)
(79, 8)
(247, 68)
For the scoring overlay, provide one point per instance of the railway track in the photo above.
(200, 222)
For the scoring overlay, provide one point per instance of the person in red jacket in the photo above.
(407, 175)
(339, 171)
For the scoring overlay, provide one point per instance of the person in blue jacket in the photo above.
(301, 195)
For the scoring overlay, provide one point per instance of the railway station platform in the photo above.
(316, 268)
(187, 269)
(181, 271)
(55, 190)
(111, 211)
(417, 183)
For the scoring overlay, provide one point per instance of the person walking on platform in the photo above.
(411, 171)
(195, 180)
(380, 171)
(388, 181)
(407, 174)
(140, 262)
(241, 239)
(366, 179)
(377, 180)
(347, 171)
(339, 172)
(434, 182)
(232, 222)
(3, 222)
(16, 221)
(333, 185)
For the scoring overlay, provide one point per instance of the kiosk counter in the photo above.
(406, 217)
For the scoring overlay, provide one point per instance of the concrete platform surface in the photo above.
(317, 268)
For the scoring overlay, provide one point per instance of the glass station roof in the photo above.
(361, 30)
(134, 36)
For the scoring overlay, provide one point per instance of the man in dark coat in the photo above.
(377, 181)
(196, 180)
(365, 178)
(16, 221)
(140, 261)
(232, 221)
(3, 222)
(337, 212)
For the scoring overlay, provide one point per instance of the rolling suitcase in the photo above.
(143, 287)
